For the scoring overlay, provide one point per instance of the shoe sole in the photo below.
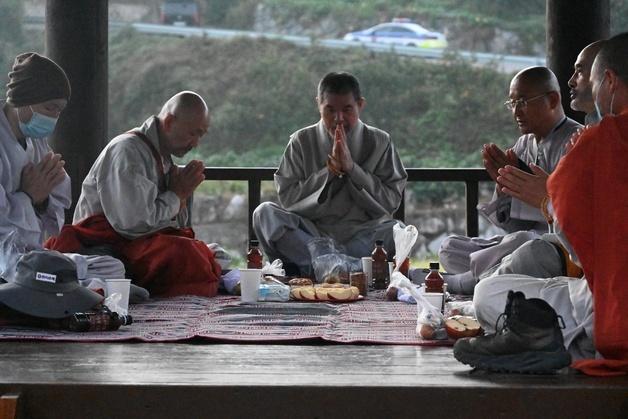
(533, 362)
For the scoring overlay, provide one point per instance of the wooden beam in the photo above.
(571, 26)
(77, 39)
(201, 380)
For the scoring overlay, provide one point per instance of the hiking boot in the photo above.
(529, 341)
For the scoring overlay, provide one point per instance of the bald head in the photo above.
(540, 78)
(184, 103)
(579, 84)
(535, 94)
(183, 120)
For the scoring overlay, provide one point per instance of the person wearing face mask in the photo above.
(339, 178)
(535, 104)
(133, 204)
(34, 187)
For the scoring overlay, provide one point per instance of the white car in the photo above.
(400, 33)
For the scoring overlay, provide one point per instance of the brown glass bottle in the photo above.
(254, 256)
(95, 321)
(434, 280)
(380, 266)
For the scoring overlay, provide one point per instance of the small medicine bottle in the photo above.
(434, 280)
(380, 266)
(254, 256)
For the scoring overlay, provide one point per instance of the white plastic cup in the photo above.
(249, 285)
(367, 268)
(119, 286)
(391, 268)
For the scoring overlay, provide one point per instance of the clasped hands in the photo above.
(339, 161)
(184, 181)
(502, 166)
(38, 180)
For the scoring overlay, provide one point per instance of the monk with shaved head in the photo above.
(535, 104)
(132, 203)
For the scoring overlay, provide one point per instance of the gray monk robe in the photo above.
(471, 256)
(354, 209)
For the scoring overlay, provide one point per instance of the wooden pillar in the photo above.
(77, 39)
(572, 25)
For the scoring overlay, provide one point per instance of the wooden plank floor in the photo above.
(152, 380)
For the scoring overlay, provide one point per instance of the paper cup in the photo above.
(121, 287)
(367, 268)
(249, 285)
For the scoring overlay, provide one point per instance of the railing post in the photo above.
(400, 214)
(255, 193)
(472, 199)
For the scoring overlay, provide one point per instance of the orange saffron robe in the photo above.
(589, 192)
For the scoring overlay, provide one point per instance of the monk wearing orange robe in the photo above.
(589, 195)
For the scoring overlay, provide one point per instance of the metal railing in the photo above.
(471, 178)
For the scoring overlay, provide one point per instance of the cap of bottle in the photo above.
(379, 242)
(254, 242)
(435, 265)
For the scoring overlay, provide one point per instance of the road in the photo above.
(500, 62)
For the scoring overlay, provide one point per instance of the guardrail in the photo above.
(471, 178)
(502, 62)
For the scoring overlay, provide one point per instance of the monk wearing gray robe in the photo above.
(133, 204)
(536, 107)
(339, 178)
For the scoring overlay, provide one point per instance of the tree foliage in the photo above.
(260, 91)
(11, 34)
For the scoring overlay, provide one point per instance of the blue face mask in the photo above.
(39, 126)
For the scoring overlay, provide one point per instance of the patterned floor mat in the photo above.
(225, 319)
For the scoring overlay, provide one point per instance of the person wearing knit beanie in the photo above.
(36, 79)
(34, 187)
(37, 92)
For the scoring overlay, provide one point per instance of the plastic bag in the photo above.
(10, 253)
(275, 268)
(231, 280)
(430, 321)
(329, 263)
(404, 240)
(271, 289)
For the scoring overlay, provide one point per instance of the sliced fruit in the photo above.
(321, 294)
(462, 326)
(339, 293)
(307, 293)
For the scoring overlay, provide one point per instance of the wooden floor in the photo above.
(126, 380)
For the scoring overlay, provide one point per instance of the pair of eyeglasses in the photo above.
(511, 104)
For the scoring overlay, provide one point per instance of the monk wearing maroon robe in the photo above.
(132, 204)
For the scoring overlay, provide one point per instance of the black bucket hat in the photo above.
(46, 285)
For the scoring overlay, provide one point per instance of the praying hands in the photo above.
(38, 180)
(529, 188)
(340, 161)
